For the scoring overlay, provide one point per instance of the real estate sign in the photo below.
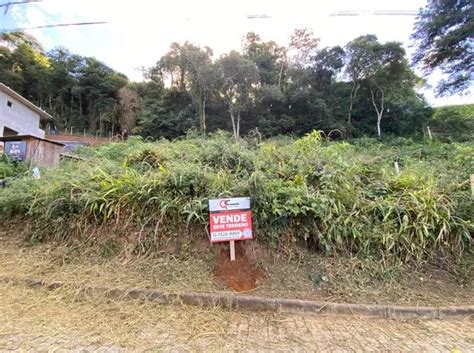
(230, 219)
(16, 150)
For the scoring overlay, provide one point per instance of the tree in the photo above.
(237, 78)
(193, 66)
(14, 39)
(163, 112)
(171, 65)
(97, 89)
(360, 55)
(63, 87)
(129, 107)
(388, 76)
(269, 57)
(302, 47)
(326, 65)
(391, 78)
(200, 78)
(443, 35)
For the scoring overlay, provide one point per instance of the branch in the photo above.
(382, 98)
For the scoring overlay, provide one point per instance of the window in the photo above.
(9, 104)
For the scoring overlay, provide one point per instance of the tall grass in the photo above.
(333, 197)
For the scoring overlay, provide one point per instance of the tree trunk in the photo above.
(378, 110)
(379, 119)
(234, 130)
(281, 74)
(354, 90)
(203, 117)
(238, 126)
(182, 86)
(80, 106)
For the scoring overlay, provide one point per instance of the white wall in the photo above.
(18, 117)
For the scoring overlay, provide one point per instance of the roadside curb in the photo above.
(257, 303)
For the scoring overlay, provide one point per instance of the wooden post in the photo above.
(232, 250)
(429, 132)
(397, 168)
(472, 185)
(84, 132)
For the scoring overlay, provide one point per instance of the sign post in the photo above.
(232, 250)
(230, 220)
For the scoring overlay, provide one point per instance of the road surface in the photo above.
(64, 320)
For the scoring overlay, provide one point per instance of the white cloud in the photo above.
(139, 32)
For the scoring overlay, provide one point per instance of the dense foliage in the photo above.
(282, 90)
(455, 122)
(79, 92)
(366, 88)
(334, 197)
(10, 168)
(444, 33)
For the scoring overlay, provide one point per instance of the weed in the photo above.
(335, 198)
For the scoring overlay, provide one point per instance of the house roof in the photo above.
(21, 137)
(25, 101)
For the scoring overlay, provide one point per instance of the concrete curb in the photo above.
(258, 303)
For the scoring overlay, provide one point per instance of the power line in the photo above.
(52, 25)
(375, 13)
(8, 4)
(258, 16)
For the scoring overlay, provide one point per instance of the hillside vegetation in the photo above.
(455, 122)
(333, 197)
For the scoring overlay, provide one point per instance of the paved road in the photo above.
(61, 320)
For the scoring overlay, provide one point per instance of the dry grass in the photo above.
(81, 320)
(63, 319)
(190, 268)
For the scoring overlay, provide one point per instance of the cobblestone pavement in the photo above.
(61, 320)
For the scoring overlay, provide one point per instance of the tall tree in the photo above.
(389, 78)
(326, 65)
(269, 57)
(360, 55)
(129, 103)
(443, 34)
(200, 78)
(237, 78)
(193, 68)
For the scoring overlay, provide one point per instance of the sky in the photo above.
(139, 32)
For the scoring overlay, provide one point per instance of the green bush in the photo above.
(10, 168)
(335, 198)
(454, 123)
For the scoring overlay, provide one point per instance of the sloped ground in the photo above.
(38, 320)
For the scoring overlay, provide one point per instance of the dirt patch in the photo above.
(240, 275)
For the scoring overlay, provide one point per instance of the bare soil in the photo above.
(240, 275)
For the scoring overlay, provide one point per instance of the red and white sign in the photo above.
(230, 219)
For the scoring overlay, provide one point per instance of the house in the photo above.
(20, 135)
(18, 116)
(36, 151)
